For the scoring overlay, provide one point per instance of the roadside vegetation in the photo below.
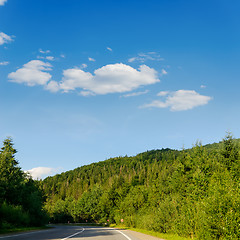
(21, 200)
(193, 193)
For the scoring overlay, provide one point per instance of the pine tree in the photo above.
(11, 176)
(229, 151)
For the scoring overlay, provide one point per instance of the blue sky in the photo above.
(83, 81)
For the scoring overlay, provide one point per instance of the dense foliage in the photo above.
(193, 192)
(20, 197)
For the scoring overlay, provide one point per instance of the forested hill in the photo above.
(137, 170)
(192, 192)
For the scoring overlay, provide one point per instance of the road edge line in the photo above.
(74, 235)
(123, 234)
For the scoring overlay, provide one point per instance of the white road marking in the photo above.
(124, 235)
(74, 235)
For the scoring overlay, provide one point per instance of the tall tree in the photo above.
(229, 151)
(11, 176)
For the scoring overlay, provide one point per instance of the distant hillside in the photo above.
(193, 192)
(75, 182)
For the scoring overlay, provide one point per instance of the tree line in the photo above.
(193, 193)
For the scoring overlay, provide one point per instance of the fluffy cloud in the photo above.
(41, 172)
(4, 38)
(2, 2)
(52, 86)
(32, 73)
(112, 78)
(4, 63)
(180, 100)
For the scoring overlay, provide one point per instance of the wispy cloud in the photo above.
(32, 73)
(203, 86)
(179, 100)
(87, 93)
(42, 172)
(50, 58)
(134, 94)
(83, 66)
(2, 2)
(143, 57)
(44, 52)
(4, 38)
(109, 49)
(164, 72)
(4, 63)
(91, 59)
(163, 93)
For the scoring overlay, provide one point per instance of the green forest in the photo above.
(191, 192)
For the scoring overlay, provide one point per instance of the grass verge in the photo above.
(22, 229)
(165, 236)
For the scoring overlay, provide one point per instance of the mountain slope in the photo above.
(193, 192)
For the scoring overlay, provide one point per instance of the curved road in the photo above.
(77, 233)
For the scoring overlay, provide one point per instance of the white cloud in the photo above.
(4, 63)
(86, 93)
(52, 86)
(44, 52)
(163, 93)
(134, 94)
(50, 58)
(164, 72)
(203, 86)
(2, 2)
(75, 78)
(62, 56)
(112, 78)
(4, 38)
(180, 100)
(143, 57)
(32, 73)
(41, 172)
(132, 59)
(40, 57)
(109, 49)
(91, 59)
(83, 66)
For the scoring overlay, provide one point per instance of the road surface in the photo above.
(78, 233)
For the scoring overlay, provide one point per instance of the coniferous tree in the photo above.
(11, 176)
(230, 151)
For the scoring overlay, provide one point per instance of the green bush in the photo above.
(13, 216)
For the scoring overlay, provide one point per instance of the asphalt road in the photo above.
(76, 233)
